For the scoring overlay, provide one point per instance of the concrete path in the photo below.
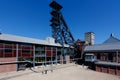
(62, 72)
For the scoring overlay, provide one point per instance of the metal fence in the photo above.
(43, 66)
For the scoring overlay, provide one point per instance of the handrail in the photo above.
(27, 61)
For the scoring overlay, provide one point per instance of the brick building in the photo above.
(16, 48)
(79, 46)
(107, 54)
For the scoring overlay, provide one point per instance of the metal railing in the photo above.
(45, 65)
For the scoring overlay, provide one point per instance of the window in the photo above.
(58, 49)
(48, 48)
(54, 52)
(8, 43)
(119, 54)
(112, 67)
(39, 48)
(110, 57)
(118, 68)
(1, 45)
(104, 66)
(26, 51)
(8, 50)
(98, 56)
(24, 44)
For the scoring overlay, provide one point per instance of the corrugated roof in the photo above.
(103, 47)
(8, 37)
(111, 43)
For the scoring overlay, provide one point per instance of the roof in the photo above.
(102, 47)
(13, 38)
(107, 63)
(111, 43)
(111, 39)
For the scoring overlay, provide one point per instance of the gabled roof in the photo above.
(111, 39)
(8, 37)
(111, 43)
(102, 47)
(13, 38)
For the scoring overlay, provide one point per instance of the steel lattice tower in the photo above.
(60, 30)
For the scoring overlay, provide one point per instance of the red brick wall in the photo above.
(117, 71)
(98, 68)
(1, 51)
(103, 58)
(105, 70)
(48, 53)
(112, 71)
(7, 68)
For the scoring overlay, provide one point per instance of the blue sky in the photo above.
(30, 18)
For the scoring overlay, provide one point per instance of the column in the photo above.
(117, 56)
(56, 56)
(45, 55)
(16, 56)
(51, 55)
(34, 56)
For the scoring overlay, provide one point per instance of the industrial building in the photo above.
(15, 51)
(107, 55)
(89, 38)
(58, 48)
(16, 48)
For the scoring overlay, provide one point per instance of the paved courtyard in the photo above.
(64, 72)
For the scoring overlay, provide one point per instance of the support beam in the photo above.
(34, 56)
(117, 56)
(45, 55)
(56, 56)
(16, 56)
